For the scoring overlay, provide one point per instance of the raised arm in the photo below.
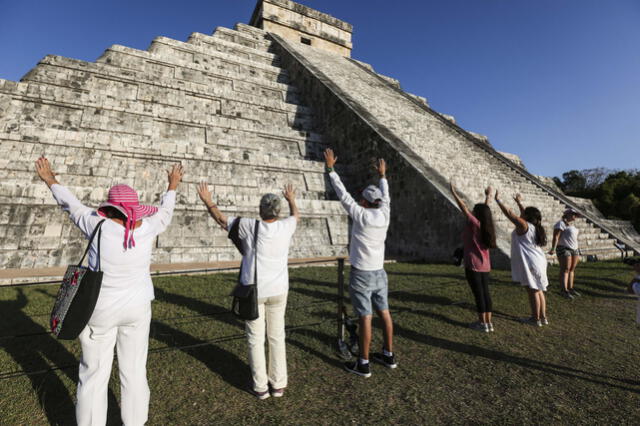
(488, 195)
(459, 201)
(381, 168)
(163, 217)
(518, 200)
(521, 225)
(347, 201)
(216, 214)
(290, 195)
(83, 216)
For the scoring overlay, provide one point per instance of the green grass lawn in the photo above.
(581, 369)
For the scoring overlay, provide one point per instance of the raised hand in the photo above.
(43, 168)
(497, 196)
(381, 167)
(330, 158)
(289, 192)
(518, 198)
(205, 194)
(175, 174)
(488, 191)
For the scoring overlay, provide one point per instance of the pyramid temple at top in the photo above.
(247, 110)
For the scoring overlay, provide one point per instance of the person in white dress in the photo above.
(528, 260)
(122, 314)
(565, 245)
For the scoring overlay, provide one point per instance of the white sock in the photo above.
(363, 361)
(387, 353)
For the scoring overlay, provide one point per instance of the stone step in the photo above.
(153, 123)
(33, 249)
(119, 82)
(214, 44)
(254, 33)
(184, 53)
(257, 172)
(204, 77)
(244, 38)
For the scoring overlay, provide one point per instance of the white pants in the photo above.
(271, 310)
(128, 331)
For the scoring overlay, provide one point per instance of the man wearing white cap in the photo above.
(368, 285)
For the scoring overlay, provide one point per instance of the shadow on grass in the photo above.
(493, 355)
(457, 277)
(227, 365)
(305, 281)
(222, 362)
(32, 355)
(295, 340)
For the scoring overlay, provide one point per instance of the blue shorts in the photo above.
(368, 290)
(562, 251)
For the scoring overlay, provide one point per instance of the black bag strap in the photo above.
(255, 253)
(97, 230)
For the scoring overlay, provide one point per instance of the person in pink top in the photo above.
(478, 237)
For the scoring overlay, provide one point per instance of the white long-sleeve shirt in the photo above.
(369, 229)
(126, 282)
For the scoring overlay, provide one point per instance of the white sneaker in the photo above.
(491, 329)
(544, 321)
(479, 326)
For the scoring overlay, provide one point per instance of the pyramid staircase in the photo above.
(440, 151)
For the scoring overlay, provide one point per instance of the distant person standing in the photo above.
(368, 282)
(634, 285)
(478, 237)
(274, 236)
(565, 246)
(528, 260)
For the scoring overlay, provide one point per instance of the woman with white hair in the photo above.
(273, 241)
(122, 314)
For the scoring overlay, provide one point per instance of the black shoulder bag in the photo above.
(77, 296)
(245, 297)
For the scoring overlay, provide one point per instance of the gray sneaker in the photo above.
(479, 326)
(566, 295)
(574, 293)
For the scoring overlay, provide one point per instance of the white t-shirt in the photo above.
(369, 229)
(126, 282)
(636, 290)
(568, 235)
(274, 240)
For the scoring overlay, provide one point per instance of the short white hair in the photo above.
(270, 205)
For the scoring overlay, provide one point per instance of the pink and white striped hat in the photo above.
(125, 199)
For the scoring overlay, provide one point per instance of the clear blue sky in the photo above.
(554, 81)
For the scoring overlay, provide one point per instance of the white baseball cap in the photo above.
(372, 194)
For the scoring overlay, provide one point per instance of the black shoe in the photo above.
(574, 293)
(387, 361)
(356, 368)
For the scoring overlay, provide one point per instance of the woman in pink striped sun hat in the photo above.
(124, 200)
(122, 315)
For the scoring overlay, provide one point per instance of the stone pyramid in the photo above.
(248, 110)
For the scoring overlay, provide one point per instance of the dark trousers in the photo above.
(479, 283)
